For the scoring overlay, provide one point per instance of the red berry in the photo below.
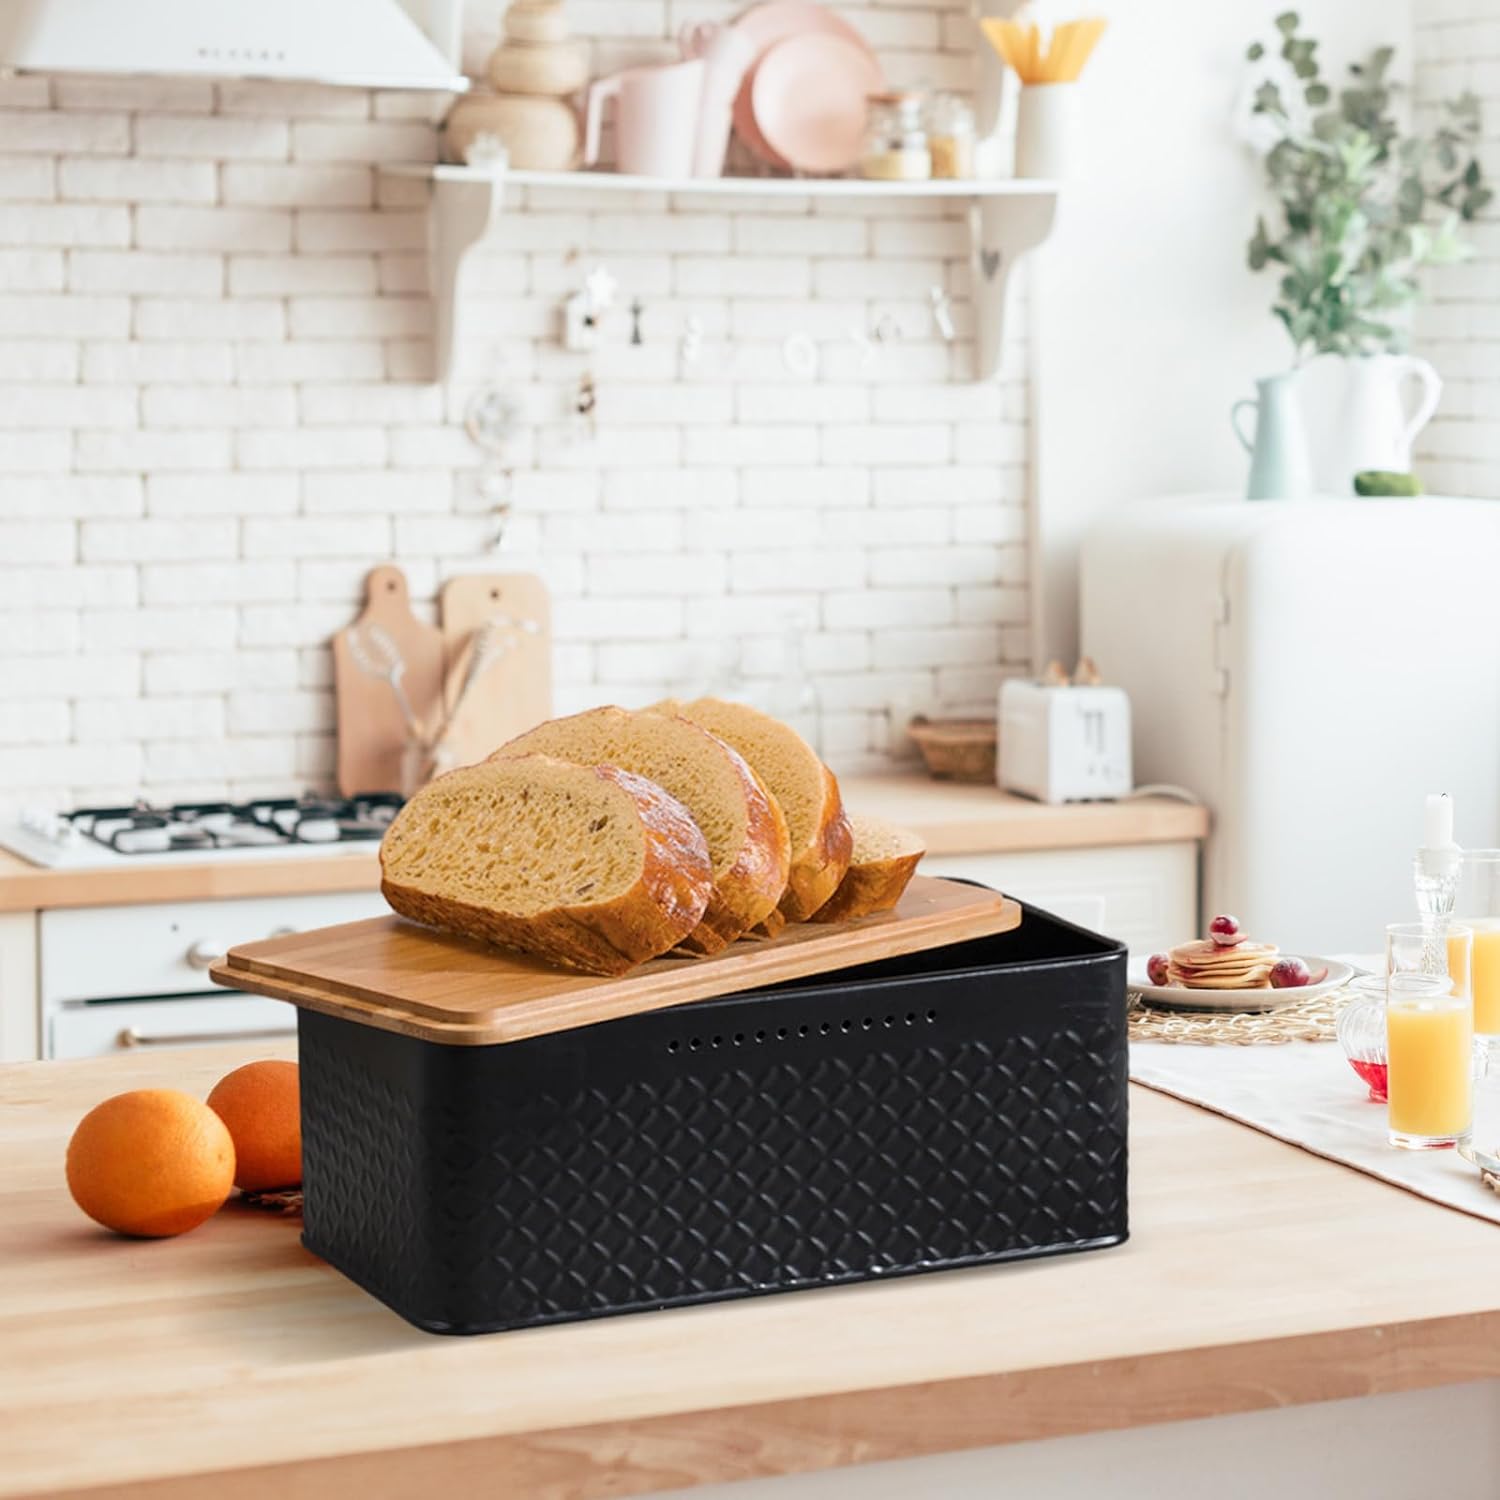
(1156, 969)
(1225, 931)
(1289, 974)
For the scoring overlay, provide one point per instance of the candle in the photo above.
(1437, 821)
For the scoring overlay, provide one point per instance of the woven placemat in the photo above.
(1307, 1021)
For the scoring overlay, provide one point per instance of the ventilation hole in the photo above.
(911, 1016)
(846, 1026)
(673, 1046)
(718, 1041)
(931, 1017)
(826, 1027)
(802, 1031)
(739, 1039)
(694, 1045)
(868, 1022)
(890, 1020)
(760, 1036)
(781, 1033)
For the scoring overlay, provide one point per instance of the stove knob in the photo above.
(204, 954)
(284, 931)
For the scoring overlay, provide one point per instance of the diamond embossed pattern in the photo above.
(729, 1147)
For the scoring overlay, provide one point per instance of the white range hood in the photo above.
(356, 43)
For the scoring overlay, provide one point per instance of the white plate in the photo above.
(1178, 997)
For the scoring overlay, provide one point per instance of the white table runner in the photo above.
(1307, 1094)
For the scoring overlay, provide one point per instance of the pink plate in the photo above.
(810, 96)
(763, 26)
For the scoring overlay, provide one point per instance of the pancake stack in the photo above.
(1206, 965)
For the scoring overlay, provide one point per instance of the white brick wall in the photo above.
(1458, 328)
(215, 416)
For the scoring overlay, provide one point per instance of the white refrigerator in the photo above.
(1309, 669)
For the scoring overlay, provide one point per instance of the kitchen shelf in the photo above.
(1008, 216)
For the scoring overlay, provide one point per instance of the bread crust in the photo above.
(748, 891)
(818, 870)
(871, 885)
(817, 867)
(752, 885)
(612, 937)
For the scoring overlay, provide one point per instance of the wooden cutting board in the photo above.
(398, 976)
(514, 693)
(372, 731)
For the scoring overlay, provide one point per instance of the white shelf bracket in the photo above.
(1001, 231)
(461, 213)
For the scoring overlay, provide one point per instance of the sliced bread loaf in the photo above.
(748, 847)
(800, 782)
(883, 861)
(591, 867)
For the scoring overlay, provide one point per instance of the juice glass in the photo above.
(1430, 1061)
(1411, 948)
(1478, 907)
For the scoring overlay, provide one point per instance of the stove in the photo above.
(94, 837)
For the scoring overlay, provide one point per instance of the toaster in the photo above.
(1063, 742)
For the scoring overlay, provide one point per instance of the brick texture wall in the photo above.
(216, 414)
(1458, 48)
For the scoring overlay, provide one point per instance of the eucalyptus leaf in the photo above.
(1362, 202)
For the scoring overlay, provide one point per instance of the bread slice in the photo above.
(748, 847)
(800, 782)
(587, 866)
(883, 862)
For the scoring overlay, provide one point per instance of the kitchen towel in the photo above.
(1307, 1094)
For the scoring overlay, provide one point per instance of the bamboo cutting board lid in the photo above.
(398, 976)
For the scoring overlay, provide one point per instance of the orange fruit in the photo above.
(153, 1162)
(259, 1104)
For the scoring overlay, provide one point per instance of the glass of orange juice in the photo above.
(1478, 907)
(1429, 1033)
(1446, 950)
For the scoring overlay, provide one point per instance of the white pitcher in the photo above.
(1372, 428)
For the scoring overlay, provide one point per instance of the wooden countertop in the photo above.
(25, 887)
(959, 818)
(953, 818)
(1258, 1275)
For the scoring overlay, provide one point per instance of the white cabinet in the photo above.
(20, 1017)
(1145, 895)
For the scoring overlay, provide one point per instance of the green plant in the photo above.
(1363, 205)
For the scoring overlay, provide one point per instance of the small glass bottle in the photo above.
(895, 144)
(950, 136)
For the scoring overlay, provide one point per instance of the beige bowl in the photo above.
(548, 68)
(536, 21)
(542, 135)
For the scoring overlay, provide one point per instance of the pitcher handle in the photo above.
(1432, 391)
(1234, 421)
(601, 91)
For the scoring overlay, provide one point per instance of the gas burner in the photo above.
(206, 827)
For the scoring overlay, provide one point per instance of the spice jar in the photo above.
(895, 144)
(950, 136)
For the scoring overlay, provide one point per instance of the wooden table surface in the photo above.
(1257, 1275)
(952, 818)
